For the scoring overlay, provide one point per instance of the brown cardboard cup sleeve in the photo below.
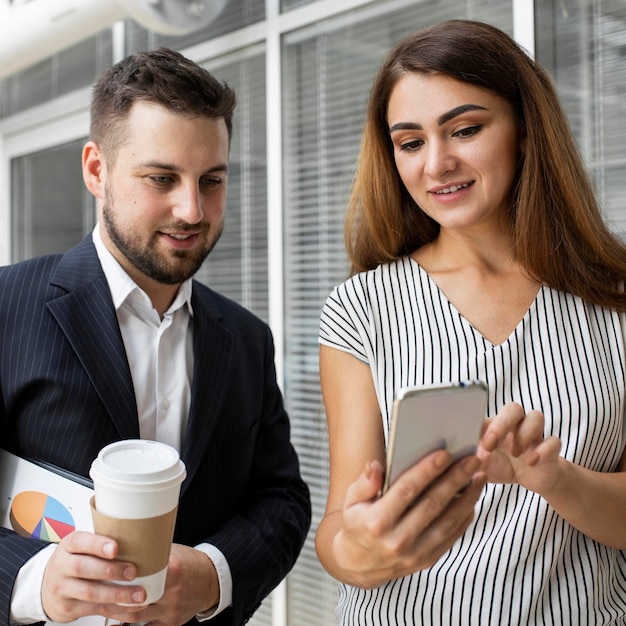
(144, 542)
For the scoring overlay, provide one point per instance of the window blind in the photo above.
(238, 266)
(583, 45)
(60, 74)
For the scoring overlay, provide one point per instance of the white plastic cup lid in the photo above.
(138, 461)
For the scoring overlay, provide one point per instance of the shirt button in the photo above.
(166, 404)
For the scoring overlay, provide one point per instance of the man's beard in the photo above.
(181, 265)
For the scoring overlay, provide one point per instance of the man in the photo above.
(114, 340)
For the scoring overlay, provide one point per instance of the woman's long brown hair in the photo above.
(558, 230)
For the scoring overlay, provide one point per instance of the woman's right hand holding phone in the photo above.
(366, 539)
(409, 527)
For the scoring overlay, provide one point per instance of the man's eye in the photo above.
(210, 181)
(161, 180)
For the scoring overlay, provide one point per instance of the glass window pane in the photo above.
(286, 5)
(583, 45)
(70, 69)
(236, 14)
(50, 208)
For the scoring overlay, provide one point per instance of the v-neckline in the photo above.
(443, 296)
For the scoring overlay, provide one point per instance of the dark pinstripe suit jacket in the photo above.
(66, 391)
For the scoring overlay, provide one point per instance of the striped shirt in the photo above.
(519, 562)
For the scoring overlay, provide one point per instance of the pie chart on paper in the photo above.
(38, 515)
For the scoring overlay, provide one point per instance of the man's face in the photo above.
(163, 198)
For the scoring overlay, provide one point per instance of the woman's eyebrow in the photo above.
(442, 119)
(446, 117)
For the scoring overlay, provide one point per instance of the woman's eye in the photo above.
(410, 146)
(469, 131)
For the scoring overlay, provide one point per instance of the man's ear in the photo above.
(94, 169)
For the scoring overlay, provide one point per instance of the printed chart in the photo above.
(38, 515)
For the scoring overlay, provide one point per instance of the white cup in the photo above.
(136, 490)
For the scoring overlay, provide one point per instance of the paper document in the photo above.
(44, 502)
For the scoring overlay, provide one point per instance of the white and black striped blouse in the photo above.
(519, 563)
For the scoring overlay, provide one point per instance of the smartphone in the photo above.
(427, 418)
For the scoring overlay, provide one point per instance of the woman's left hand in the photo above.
(513, 449)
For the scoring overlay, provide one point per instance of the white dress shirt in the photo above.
(160, 355)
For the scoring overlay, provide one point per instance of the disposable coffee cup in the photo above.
(136, 490)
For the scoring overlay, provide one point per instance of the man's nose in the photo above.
(188, 204)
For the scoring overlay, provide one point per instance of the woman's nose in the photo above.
(439, 159)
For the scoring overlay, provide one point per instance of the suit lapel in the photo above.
(213, 363)
(87, 317)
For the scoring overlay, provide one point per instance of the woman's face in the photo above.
(456, 147)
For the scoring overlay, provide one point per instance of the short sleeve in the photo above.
(341, 322)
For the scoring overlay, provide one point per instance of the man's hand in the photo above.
(80, 580)
(77, 580)
(191, 587)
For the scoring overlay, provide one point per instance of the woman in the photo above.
(478, 252)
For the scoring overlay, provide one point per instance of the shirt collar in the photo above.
(122, 285)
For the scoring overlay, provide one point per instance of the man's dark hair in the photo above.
(162, 76)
